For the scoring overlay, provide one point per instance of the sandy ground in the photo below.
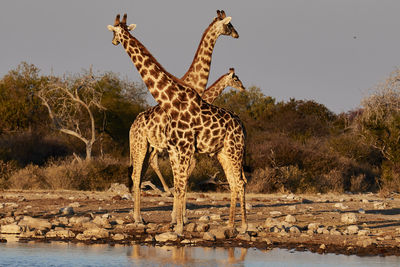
(321, 220)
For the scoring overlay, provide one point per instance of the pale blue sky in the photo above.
(333, 51)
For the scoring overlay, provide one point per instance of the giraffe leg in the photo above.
(154, 164)
(234, 174)
(180, 163)
(140, 157)
(223, 160)
(173, 214)
(242, 197)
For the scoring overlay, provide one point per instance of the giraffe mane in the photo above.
(219, 79)
(145, 51)
(198, 47)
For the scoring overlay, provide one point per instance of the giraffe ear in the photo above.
(226, 20)
(131, 27)
(110, 28)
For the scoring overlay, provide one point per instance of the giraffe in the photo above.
(192, 125)
(229, 79)
(199, 70)
(151, 125)
(196, 77)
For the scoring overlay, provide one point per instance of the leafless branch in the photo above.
(71, 102)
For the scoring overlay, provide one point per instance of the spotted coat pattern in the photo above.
(192, 125)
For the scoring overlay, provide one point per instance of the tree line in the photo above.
(49, 122)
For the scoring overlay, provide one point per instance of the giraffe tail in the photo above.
(130, 172)
(244, 176)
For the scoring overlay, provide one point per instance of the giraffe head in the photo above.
(119, 28)
(224, 26)
(234, 81)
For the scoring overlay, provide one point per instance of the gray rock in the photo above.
(11, 229)
(89, 225)
(60, 234)
(127, 196)
(215, 217)
(191, 227)
(7, 220)
(380, 205)
(252, 227)
(320, 230)
(365, 242)
(292, 208)
(249, 206)
(119, 237)
(349, 218)
(244, 237)
(97, 233)
(202, 227)
(103, 222)
(165, 237)
(313, 226)
(11, 205)
(326, 231)
(27, 234)
(271, 222)
(35, 223)
(290, 219)
(335, 232)
(275, 213)
(341, 206)
(275, 230)
(218, 233)
(120, 221)
(119, 189)
(67, 211)
(204, 219)
(82, 237)
(294, 230)
(290, 197)
(79, 220)
(209, 236)
(363, 232)
(352, 229)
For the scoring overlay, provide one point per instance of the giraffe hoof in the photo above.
(139, 221)
(179, 230)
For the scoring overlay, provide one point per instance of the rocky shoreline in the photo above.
(362, 224)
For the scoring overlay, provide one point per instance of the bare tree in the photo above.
(72, 103)
(379, 122)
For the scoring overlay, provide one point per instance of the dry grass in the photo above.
(97, 174)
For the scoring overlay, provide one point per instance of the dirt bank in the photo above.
(362, 224)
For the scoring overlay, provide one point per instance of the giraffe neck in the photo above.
(170, 93)
(199, 70)
(212, 92)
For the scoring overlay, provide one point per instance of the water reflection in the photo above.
(185, 256)
(67, 254)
